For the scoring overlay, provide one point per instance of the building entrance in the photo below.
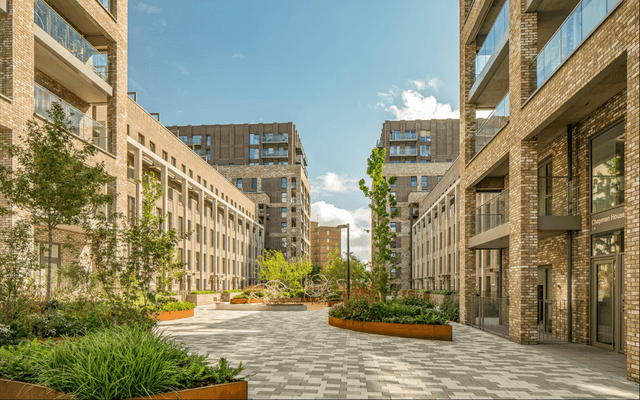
(607, 302)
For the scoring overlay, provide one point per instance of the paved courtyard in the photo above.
(298, 355)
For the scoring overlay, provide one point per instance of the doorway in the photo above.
(607, 302)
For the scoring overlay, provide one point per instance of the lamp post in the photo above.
(348, 260)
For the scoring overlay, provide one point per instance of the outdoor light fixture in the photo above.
(348, 259)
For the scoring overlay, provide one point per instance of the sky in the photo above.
(337, 69)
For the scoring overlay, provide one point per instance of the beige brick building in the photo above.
(418, 153)
(557, 163)
(75, 52)
(268, 163)
(324, 241)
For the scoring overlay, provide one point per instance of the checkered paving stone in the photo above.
(298, 355)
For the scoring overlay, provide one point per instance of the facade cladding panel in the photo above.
(324, 240)
(261, 155)
(564, 152)
(413, 150)
(34, 64)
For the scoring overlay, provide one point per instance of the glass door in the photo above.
(603, 301)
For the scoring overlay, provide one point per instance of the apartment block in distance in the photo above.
(558, 163)
(268, 163)
(418, 153)
(74, 52)
(324, 241)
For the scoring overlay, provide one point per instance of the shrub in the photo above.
(171, 294)
(178, 306)
(396, 311)
(203, 292)
(244, 295)
(115, 363)
(232, 291)
(415, 301)
(333, 297)
(444, 292)
(451, 309)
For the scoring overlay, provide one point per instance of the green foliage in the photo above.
(397, 311)
(116, 363)
(444, 292)
(451, 309)
(334, 297)
(381, 201)
(233, 291)
(51, 179)
(203, 292)
(336, 269)
(273, 266)
(415, 301)
(177, 306)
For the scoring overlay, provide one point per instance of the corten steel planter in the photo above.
(431, 332)
(245, 301)
(171, 315)
(22, 390)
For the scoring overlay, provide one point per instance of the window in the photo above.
(254, 154)
(208, 155)
(141, 138)
(152, 146)
(183, 138)
(425, 181)
(545, 189)
(607, 169)
(393, 194)
(190, 174)
(283, 212)
(197, 139)
(197, 233)
(283, 183)
(425, 150)
(439, 177)
(425, 138)
(283, 243)
(414, 181)
(173, 161)
(393, 227)
(184, 169)
(283, 197)
(391, 210)
(254, 138)
(239, 183)
(165, 156)
(393, 184)
(180, 226)
(254, 183)
(283, 224)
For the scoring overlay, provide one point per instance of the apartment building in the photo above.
(74, 52)
(558, 161)
(418, 153)
(268, 163)
(324, 241)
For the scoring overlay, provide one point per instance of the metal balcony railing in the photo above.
(190, 141)
(52, 23)
(78, 123)
(275, 139)
(275, 154)
(557, 195)
(493, 213)
(402, 152)
(410, 135)
(574, 30)
(500, 26)
(492, 125)
(489, 314)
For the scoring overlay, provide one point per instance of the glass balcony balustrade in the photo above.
(194, 140)
(574, 30)
(409, 135)
(282, 138)
(557, 195)
(492, 125)
(490, 44)
(78, 123)
(276, 154)
(52, 23)
(493, 213)
(106, 4)
(408, 151)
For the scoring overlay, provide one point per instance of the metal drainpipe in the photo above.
(570, 235)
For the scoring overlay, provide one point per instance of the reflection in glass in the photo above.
(607, 169)
(607, 243)
(604, 317)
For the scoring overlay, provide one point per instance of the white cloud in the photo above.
(238, 55)
(435, 83)
(417, 106)
(418, 84)
(137, 87)
(333, 183)
(182, 69)
(147, 8)
(359, 220)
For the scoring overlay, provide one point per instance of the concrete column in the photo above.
(214, 240)
(137, 176)
(203, 283)
(184, 190)
(165, 188)
(523, 242)
(226, 243)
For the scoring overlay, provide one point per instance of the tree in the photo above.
(381, 201)
(273, 266)
(336, 269)
(152, 249)
(51, 179)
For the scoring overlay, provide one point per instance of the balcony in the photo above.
(379, 144)
(62, 53)
(491, 70)
(491, 126)
(275, 139)
(275, 154)
(394, 152)
(398, 136)
(192, 141)
(78, 123)
(492, 223)
(582, 21)
(557, 205)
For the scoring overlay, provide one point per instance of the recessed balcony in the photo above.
(403, 136)
(66, 56)
(399, 152)
(281, 138)
(557, 205)
(275, 154)
(492, 223)
(491, 126)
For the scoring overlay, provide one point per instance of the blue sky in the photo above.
(337, 69)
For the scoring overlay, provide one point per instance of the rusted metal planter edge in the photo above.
(430, 332)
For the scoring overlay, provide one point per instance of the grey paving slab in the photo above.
(298, 355)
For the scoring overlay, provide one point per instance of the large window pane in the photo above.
(607, 169)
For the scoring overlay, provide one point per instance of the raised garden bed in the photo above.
(245, 301)
(333, 303)
(22, 390)
(171, 315)
(417, 331)
(203, 299)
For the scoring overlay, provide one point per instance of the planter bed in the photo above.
(333, 302)
(431, 332)
(22, 390)
(171, 315)
(245, 301)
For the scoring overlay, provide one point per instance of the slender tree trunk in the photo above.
(49, 265)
